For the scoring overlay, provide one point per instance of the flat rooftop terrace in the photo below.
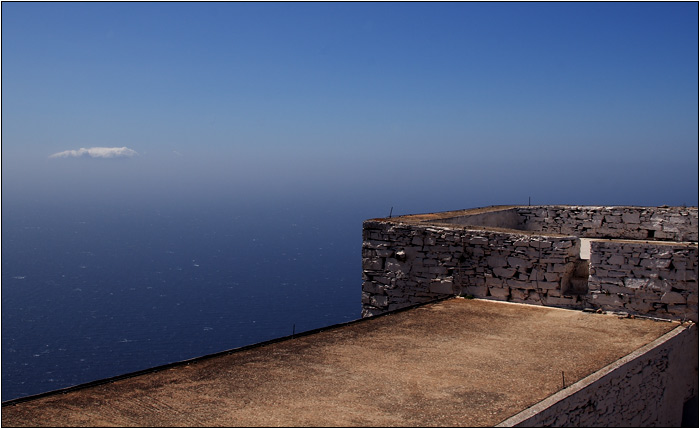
(457, 362)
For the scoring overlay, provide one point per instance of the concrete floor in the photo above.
(454, 363)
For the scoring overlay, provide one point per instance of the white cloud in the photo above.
(97, 152)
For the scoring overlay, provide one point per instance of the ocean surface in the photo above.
(91, 291)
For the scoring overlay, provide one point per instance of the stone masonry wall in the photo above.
(655, 279)
(406, 263)
(637, 223)
(644, 389)
(409, 264)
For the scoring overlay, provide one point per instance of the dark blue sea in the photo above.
(91, 291)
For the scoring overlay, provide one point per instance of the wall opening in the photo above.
(577, 283)
(690, 413)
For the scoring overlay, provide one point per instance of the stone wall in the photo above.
(638, 223)
(647, 388)
(655, 279)
(498, 217)
(409, 264)
(411, 260)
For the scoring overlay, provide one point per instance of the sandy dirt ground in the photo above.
(454, 363)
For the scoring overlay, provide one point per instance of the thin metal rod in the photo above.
(563, 382)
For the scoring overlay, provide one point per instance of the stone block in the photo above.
(639, 306)
(594, 224)
(673, 298)
(369, 312)
(375, 244)
(557, 268)
(442, 286)
(664, 253)
(537, 275)
(476, 291)
(382, 280)
(632, 218)
(616, 260)
(616, 289)
(494, 282)
(552, 277)
(478, 281)
(552, 292)
(476, 251)
(664, 235)
(659, 285)
(679, 310)
(547, 285)
(393, 265)
(655, 264)
(563, 244)
(366, 298)
(478, 241)
(499, 292)
(645, 295)
(375, 264)
(596, 258)
(519, 262)
(384, 253)
(601, 299)
(519, 295)
(636, 283)
(417, 241)
(440, 270)
(504, 272)
(677, 276)
(613, 219)
(552, 260)
(379, 301)
(496, 261)
(369, 288)
(397, 305)
(603, 281)
(670, 228)
(537, 244)
(679, 264)
(551, 300)
(368, 253)
(519, 284)
(617, 274)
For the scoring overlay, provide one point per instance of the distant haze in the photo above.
(419, 106)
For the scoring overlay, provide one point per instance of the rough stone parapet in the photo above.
(415, 259)
(639, 223)
(655, 279)
(405, 265)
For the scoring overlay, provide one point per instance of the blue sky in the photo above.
(428, 106)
